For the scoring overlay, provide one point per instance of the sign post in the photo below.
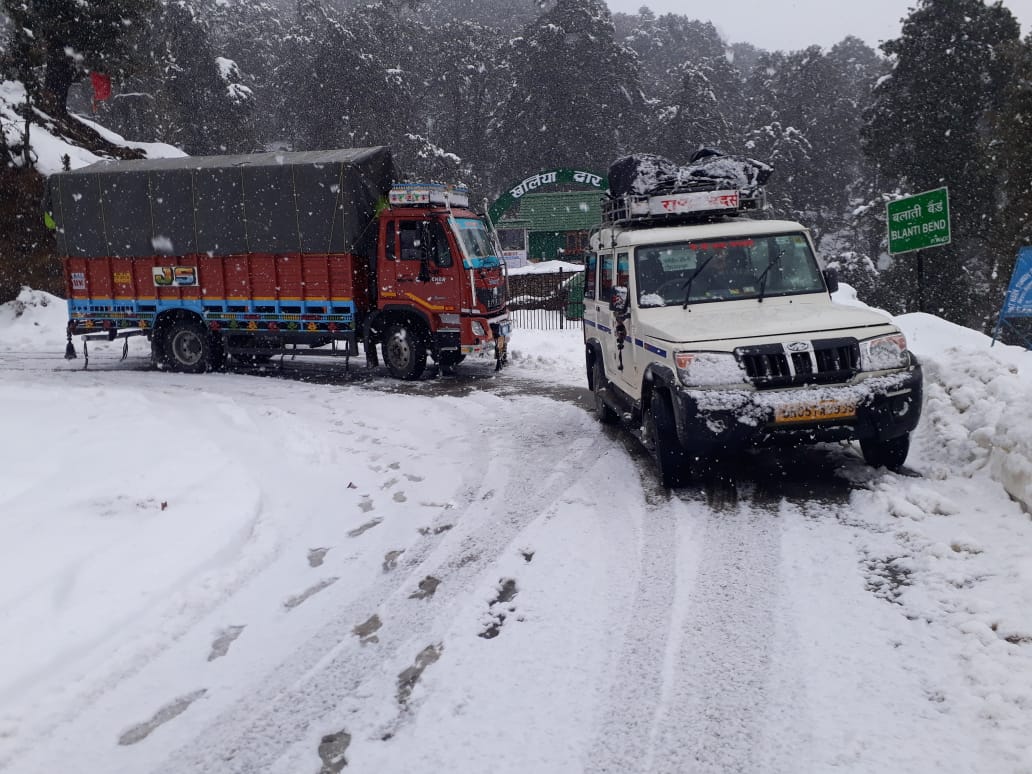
(917, 222)
(1018, 301)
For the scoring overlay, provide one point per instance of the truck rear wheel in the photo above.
(404, 352)
(661, 438)
(187, 347)
(891, 453)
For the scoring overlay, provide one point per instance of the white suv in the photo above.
(721, 334)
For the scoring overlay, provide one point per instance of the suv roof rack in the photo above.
(681, 207)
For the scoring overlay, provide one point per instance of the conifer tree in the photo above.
(929, 127)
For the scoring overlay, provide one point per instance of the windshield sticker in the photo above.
(723, 245)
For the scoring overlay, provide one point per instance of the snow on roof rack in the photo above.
(680, 207)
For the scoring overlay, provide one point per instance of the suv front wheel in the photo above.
(891, 453)
(660, 435)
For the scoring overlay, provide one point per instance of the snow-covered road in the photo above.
(227, 573)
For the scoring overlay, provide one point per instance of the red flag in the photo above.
(101, 86)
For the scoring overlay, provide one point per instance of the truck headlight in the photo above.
(884, 353)
(708, 369)
(478, 329)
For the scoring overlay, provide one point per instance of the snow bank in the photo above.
(977, 398)
(33, 322)
(978, 405)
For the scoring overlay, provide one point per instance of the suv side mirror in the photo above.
(831, 279)
(619, 301)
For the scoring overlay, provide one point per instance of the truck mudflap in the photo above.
(711, 422)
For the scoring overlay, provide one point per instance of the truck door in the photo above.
(419, 265)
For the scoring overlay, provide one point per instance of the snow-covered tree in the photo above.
(929, 126)
(576, 97)
(182, 91)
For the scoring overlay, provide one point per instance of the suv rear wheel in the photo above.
(605, 414)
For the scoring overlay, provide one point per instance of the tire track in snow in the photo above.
(626, 728)
(714, 716)
(698, 698)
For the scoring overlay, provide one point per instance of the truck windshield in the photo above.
(679, 273)
(475, 242)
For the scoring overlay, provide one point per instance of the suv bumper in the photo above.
(713, 421)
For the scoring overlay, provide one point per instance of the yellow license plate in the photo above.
(818, 411)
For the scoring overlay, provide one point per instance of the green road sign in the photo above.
(919, 221)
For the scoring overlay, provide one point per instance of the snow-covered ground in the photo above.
(237, 573)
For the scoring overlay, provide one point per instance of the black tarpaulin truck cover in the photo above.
(307, 202)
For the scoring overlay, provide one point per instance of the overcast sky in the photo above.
(795, 24)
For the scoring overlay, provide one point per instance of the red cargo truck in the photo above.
(255, 255)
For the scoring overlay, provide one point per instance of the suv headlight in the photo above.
(884, 353)
(708, 369)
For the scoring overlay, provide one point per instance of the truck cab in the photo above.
(716, 332)
(439, 285)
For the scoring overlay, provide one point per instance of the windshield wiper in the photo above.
(688, 283)
(763, 277)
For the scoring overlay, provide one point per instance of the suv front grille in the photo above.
(826, 361)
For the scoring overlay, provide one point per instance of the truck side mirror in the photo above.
(425, 245)
(619, 301)
(831, 279)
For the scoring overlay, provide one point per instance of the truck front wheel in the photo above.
(891, 453)
(661, 439)
(187, 348)
(404, 352)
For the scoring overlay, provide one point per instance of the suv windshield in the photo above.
(723, 270)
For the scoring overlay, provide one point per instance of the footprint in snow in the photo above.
(427, 587)
(226, 637)
(331, 751)
(366, 631)
(294, 601)
(499, 609)
(176, 707)
(390, 559)
(316, 556)
(364, 528)
(409, 677)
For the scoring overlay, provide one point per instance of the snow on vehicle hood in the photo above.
(732, 321)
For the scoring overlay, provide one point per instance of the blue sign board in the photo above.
(1018, 301)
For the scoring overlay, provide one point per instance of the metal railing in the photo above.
(551, 301)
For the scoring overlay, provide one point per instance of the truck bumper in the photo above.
(713, 422)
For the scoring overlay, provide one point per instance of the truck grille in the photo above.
(824, 361)
(492, 298)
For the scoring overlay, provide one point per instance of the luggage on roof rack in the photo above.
(645, 187)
